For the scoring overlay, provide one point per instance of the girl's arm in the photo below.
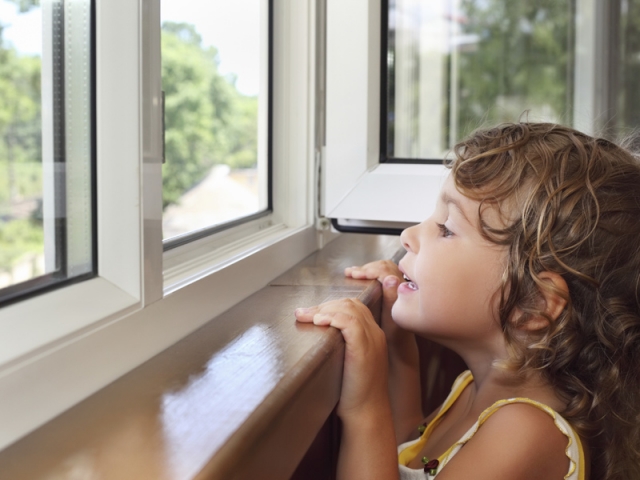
(368, 444)
(404, 361)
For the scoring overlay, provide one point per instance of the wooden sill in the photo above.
(242, 397)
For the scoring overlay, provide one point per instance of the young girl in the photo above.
(529, 269)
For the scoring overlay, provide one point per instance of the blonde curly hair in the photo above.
(578, 203)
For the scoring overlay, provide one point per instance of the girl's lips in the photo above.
(407, 287)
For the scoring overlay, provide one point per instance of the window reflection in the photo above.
(187, 413)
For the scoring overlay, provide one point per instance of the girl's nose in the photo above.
(408, 239)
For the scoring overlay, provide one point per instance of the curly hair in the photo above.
(578, 200)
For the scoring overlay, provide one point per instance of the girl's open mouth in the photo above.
(409, 282)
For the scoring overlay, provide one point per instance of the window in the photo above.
(59, 347)
(626, 107)
(215, 77)
(453, 66)
(436, 70)
(46, 154)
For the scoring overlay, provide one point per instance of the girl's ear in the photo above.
(554, 296)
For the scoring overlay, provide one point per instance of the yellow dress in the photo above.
(409, 450)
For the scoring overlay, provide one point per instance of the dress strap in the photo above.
(573, 451)
(409, 453)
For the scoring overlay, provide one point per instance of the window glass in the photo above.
(455, 65)
(46, 194)
(628, 101)
(215, 81)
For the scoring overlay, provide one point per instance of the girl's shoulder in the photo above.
(513, 438)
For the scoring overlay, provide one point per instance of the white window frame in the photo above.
(60, 347)
(357, 189)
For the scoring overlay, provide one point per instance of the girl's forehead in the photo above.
(494, 214)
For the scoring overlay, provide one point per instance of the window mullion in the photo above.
(152, 151)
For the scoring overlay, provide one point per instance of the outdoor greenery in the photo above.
(515, 60)
(207, 121)
(522, 60)
(629, 99)
(20, 152)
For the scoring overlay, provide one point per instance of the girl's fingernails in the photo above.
(301, 311)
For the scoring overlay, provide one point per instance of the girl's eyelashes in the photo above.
(444, 230)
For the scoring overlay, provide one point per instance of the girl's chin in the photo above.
(401, 315)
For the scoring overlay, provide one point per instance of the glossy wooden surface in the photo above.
(243, 397)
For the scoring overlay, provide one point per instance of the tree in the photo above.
(629, 100)
(20, 149)
(20, 130)
(523, 59)
(207, 121)
(25, 5)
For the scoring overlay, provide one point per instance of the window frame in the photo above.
(253, 218)
(354, 175)
(62, 346)
(56, 158)
(384, 75)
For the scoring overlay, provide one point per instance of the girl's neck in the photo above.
(492, 384)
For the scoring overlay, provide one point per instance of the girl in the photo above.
(529, 269)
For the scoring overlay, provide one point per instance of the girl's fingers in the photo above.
(322, 319)
(342, 314)
(390, 289)
(352, 325)
(353, 272)
(378, 270)
(306, 314)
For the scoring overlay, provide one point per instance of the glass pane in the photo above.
(454, 65)
(629, 93)
(215, 79)
(46, 208)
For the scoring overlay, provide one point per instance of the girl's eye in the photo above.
(444, 230)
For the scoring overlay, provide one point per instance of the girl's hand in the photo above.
(378, 270)
(364, 381)
(390, 276)
(404, 358)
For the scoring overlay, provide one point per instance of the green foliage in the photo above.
(25, 5)
(629, 100)
(207, 121)
(20, 127)
(22, 179)
(17, 238)
(523, 60)
(20, 150)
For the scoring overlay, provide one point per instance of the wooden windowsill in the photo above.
(242, 397)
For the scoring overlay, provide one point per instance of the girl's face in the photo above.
(454, 274)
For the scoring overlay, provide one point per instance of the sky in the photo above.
(24, 30)
(232, 26)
